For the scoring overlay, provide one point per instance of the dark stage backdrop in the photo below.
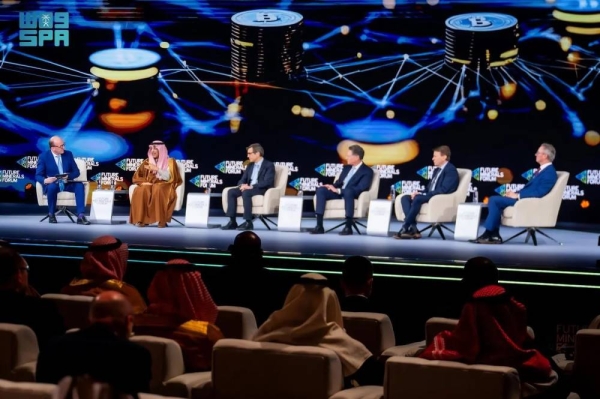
(398, 77)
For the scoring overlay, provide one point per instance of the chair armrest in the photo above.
(224, 198)
(39, 190)
(364, 392)
(364, 200)
(271, 201)
(24, 372)
(203, 391)
(131, 190)
(408, 350)
(182, 385)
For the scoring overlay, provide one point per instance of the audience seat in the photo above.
(28, 390)
(265, 370)
(373, 330)
(433, 327)
(586, 366)
(168, 372)
(19, 349)
(236, 322)
(74, 309)
(566, 365)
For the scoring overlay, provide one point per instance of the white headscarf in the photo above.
(311, 316)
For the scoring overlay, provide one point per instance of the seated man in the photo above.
(153, 201)
(355, 178)
(541, 184)
(444, 181)
(102, 351)
(58, 161)
(357, 284)
(258, 177)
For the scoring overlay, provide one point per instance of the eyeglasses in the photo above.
(250, 153)
(24, 268)
(59, 146)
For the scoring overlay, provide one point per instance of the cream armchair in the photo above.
(533, 213)
(441, 208)
(65, 198)
(265, 205)
(334, 209)
(179, 191)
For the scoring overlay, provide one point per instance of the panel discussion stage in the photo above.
(572, 263)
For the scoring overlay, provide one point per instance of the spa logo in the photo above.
(38, 27)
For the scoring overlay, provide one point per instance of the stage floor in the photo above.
(579, 250)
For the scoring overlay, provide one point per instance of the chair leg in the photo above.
(45, 217)
(517, 235)
(70, 214)
(338, 226)
(447, 228)
(354, 224)
(360, 224)
(262, 219)
(547, 236)
(175, 219)
(268, 220)
(439, 229)
(427, 228)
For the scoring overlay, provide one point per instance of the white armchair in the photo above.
(334, 209)
(65, 198)
(265, 205)
(441, 208)
(179, 191)
(533, 213)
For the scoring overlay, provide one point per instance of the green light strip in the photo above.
(162, 263)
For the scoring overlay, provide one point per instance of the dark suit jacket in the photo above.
(266, 175)
(46, 167)
(357, 303)
(540, 185)
(447, 182)
(98, 352)
(361, 181)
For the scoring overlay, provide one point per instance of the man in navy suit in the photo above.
(258, 177)
(542, 182)
(443, 181)
(355, 178)
(58, 161)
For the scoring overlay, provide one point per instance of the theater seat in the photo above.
(19, 352)
(28, 390)
(236, 322)
(74, 309)
(168, 373)
(373, 330)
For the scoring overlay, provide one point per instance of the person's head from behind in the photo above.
(113, 310)
(14, 271)
(311, 296)
(105, 259)
(357, 276)
(479, 272)
(246, 251)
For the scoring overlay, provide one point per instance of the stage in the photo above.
(572, 264)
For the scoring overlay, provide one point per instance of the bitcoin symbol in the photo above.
(479, 22)
(266, 17)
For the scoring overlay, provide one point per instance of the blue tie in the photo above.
(347, 179)
(61, 183)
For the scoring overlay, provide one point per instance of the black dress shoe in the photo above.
(482, 239)
(247, 225)
(318, 230)
(414, 231)
(492, 239)
(52, 219)
(403, 231)
(230, 226)
(347, 231)
(83, 220)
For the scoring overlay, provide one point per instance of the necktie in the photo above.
(254, 177)
(61, 183)
(537, 172)
(347, 179)
(436, 173)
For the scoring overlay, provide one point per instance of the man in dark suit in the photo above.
(58, 161)
(357, 284)
(102, 350)
(541, 184)
(444, 181)
(355, 178)
(258, 177)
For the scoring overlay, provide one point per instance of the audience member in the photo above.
(182, 309)
(102, 351)
(19, 305)
(311, 316)
(249, 284)
(357, 284)
(103, 269)
(492, 329)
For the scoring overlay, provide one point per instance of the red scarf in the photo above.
(492, 330)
